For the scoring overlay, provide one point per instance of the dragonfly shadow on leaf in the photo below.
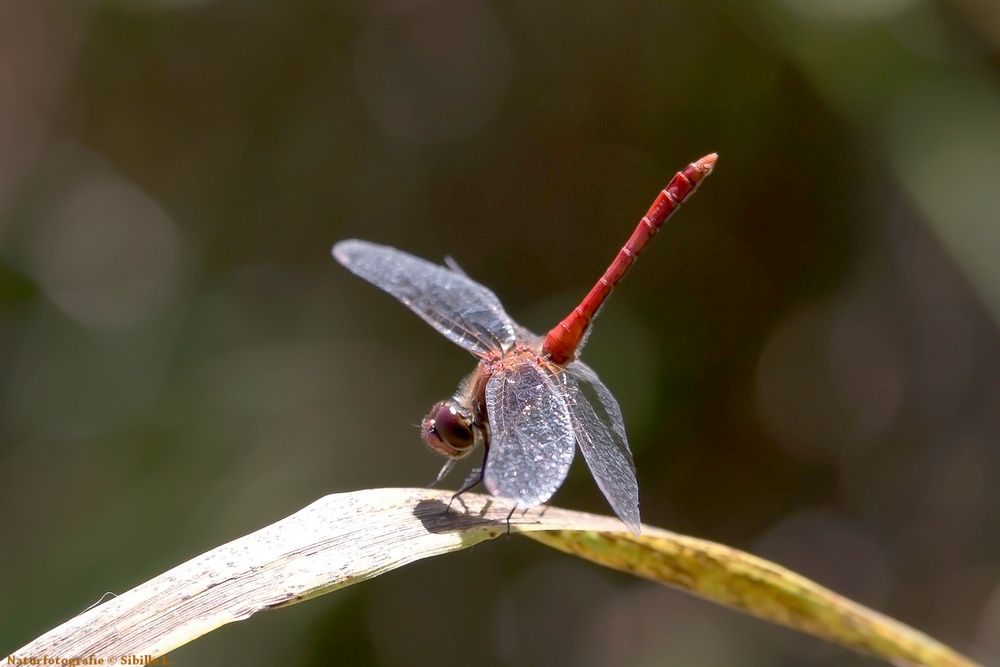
(472, 511)
(439, 517)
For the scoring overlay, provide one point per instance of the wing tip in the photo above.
(629, 515)
(341, 250)
(494, 486)
(498, 489)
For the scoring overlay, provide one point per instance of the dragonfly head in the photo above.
(447, 429)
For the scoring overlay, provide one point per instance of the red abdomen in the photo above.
(563, 341)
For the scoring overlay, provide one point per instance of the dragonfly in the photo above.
(530, 400)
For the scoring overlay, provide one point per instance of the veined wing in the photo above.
(531, 446)
(460, 308)
(600, 432)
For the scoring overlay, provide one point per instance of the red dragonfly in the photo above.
(530, 400)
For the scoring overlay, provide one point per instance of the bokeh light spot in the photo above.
(107, 254)
(439, 75)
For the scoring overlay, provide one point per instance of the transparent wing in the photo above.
(460, 308)
(600, 432)
(531, 445)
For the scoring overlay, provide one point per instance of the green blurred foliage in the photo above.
(807, 357)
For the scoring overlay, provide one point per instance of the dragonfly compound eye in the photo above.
(447, 431)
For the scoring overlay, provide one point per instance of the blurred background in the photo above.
(807, 357)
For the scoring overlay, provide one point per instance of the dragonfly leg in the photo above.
(445, 469)
(475, 477)
(511, 513)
